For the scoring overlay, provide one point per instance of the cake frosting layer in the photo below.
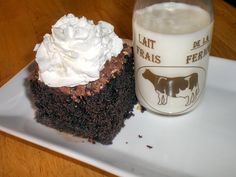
(76, 51)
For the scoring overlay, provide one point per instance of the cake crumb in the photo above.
(143, 109)
(140, 136)
(126, 142)
(92, 141)
(150, 147)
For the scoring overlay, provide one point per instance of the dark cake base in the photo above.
(98, 118)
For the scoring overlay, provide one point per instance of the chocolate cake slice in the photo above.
(97, 110)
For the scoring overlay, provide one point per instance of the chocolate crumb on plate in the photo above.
(91, 141)
(143, 109)
(150, 147)
(140, 136)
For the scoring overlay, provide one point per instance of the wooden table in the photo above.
(23, 24)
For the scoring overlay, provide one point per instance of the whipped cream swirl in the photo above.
(76, 51)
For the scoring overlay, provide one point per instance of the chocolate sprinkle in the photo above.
(140, 136)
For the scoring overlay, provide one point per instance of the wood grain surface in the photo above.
(23, 24)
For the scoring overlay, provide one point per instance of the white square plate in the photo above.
(201, 143)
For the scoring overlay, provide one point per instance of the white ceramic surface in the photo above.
(201, 143)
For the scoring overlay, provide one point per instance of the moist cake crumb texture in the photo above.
(99, 115)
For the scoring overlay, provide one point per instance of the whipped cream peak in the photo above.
(76, 51)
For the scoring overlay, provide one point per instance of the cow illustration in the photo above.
(186, 87)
